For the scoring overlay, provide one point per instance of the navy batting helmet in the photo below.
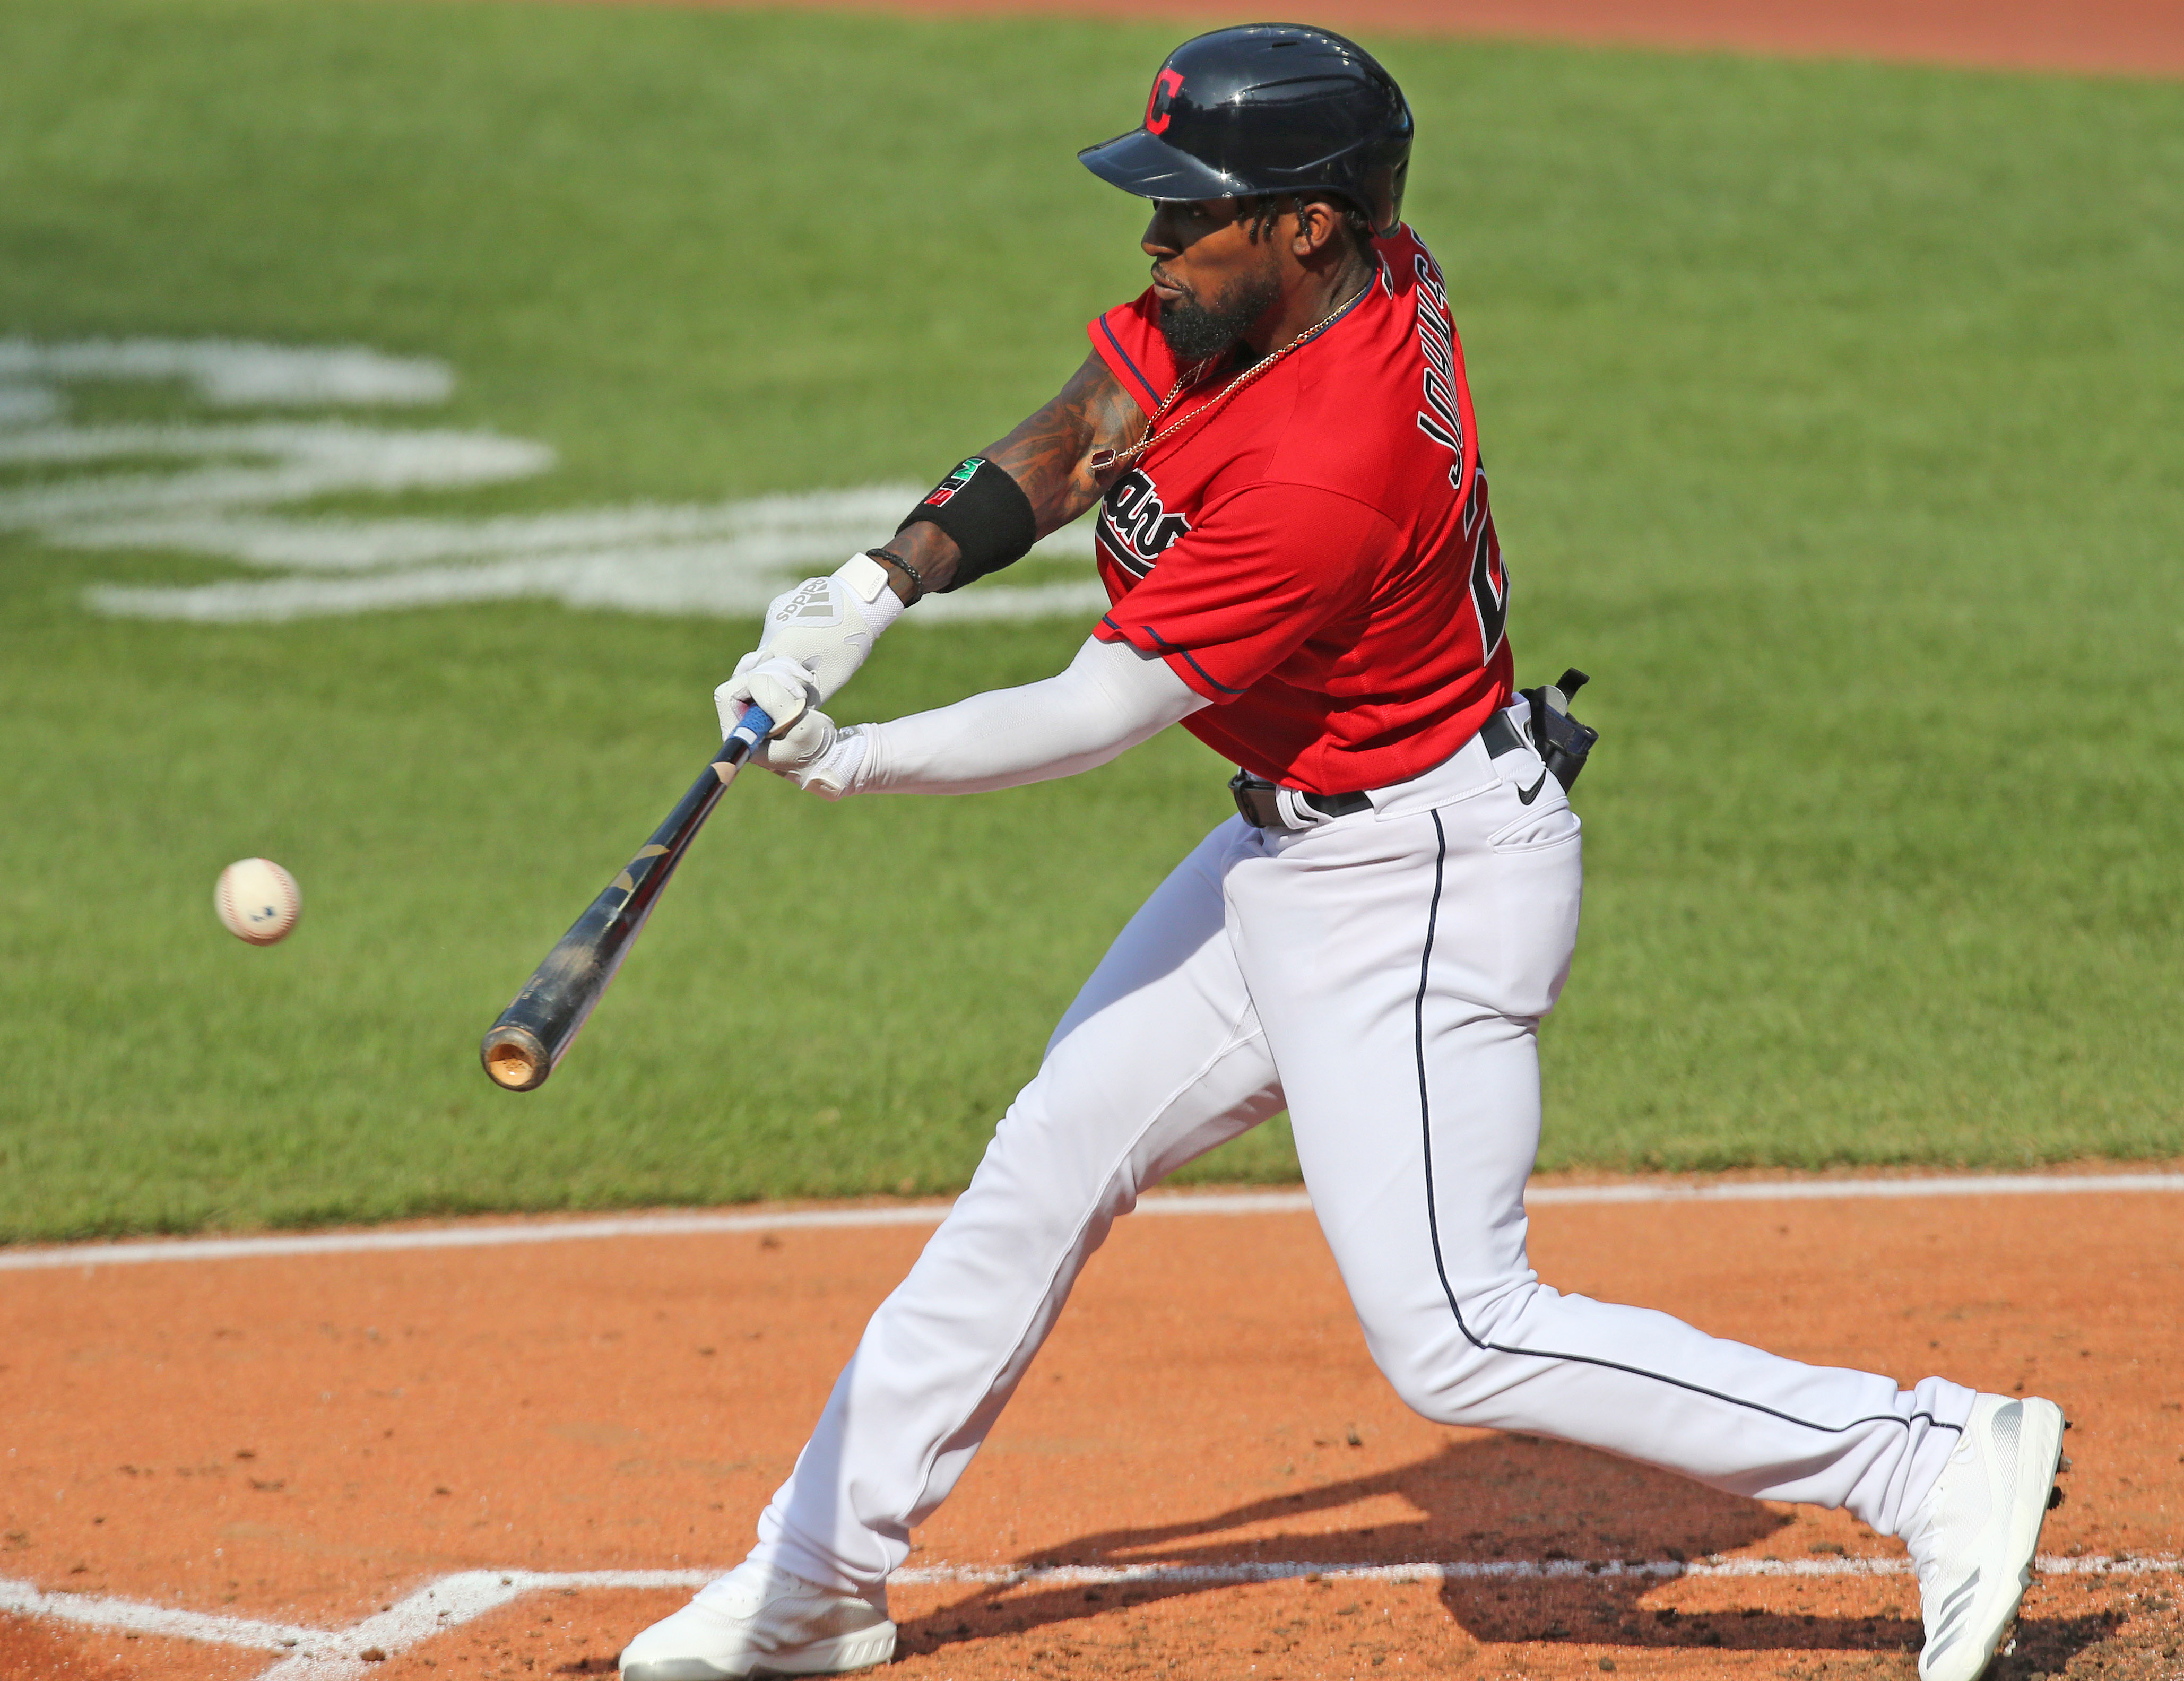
(1268, 108)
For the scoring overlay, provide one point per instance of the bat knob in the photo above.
(513, 1058)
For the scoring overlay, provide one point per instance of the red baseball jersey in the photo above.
(1316, 556)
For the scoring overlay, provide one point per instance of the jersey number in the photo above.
(1490, 579)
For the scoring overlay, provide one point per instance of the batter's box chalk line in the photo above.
(335, 1654)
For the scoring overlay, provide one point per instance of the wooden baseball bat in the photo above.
(535, 1031)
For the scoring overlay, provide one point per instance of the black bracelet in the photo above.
(916, 577)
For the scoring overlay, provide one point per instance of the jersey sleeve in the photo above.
(1127, 339)
(1264, 570)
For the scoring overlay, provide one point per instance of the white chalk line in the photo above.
(464, 1237)
(454, 1601)
(133, 1617)
(138, 1253)
(1827, 1190)
(1466, 1570)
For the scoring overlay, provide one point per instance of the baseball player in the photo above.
(1296, 534)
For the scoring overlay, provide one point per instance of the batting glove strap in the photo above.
(828, 625)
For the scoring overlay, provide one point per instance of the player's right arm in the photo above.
(1268, 567)
(1050, 456)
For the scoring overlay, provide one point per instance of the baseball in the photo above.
(257, 900)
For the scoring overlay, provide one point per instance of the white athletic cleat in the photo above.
(759, 1620)
(1975, 1537)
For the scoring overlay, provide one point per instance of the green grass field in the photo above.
(1832, 415)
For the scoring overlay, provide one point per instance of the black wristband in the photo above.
(985, 511)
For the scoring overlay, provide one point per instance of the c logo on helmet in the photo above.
(1166, 86)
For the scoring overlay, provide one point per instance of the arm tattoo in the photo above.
(1048, 452)
(1047, 456)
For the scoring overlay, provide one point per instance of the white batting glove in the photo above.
(828, 626)
(816, 756)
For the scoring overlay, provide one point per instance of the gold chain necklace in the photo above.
(1102, 460)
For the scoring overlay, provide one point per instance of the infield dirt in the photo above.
(306, 1439)
(2128, 37)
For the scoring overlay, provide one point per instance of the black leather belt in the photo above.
(1258, 800)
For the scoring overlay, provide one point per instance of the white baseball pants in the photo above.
(1383, 974)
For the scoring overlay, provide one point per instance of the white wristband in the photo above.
(878, 603)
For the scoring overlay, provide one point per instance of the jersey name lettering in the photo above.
(1139, 530)
(1439, 420)
(1442, 421)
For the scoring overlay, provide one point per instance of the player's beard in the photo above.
(1198, 331)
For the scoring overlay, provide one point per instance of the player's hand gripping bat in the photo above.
(523, 1047)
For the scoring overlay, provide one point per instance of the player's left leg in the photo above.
(1400, 967)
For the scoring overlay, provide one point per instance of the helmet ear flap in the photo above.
(1387, 211)
(1381, 181)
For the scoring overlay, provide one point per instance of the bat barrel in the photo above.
(521, 1049)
